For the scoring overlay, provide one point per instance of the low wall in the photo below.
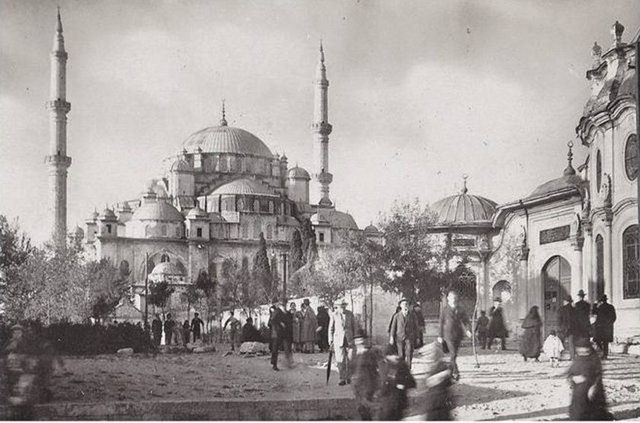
(228, 409)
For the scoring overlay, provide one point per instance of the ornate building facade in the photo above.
(576, 232)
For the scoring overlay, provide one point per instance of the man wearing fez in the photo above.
(582, 327)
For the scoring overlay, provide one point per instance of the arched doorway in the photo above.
(556, 282)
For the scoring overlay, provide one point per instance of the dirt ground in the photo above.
(503, 387)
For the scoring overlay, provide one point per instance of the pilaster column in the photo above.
(523, 283)
(608, 257)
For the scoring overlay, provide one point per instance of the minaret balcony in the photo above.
(324, 178)
(322, 128)
(59, 105)
(58, 161)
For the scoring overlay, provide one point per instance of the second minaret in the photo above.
(321, 130)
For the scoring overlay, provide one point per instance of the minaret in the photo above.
(321, 130)
(57, 160)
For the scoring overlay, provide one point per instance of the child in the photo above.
(585, 376)
(552, 348)
(396, 379)
(438, 380)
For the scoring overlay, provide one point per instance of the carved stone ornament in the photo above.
(605, 190)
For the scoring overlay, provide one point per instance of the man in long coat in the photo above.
(603, 326)
(497, 326)
(156, 329)
(342, 329)
(404, 332)
(566, 323)
(278, 327)
(582, 328)
(453, 324)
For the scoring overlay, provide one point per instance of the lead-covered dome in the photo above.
(464, 209)
(159, 211)
(335, 219)
(226, 139)
(244, 187)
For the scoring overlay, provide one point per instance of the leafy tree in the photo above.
(190, 296)
(159, 294)
(107, 286)
(262, 271)
(15, 248)
(330, 278)
(205, 283)
(414, 257)
(296, 259)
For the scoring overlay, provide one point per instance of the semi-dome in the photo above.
(244, 187)
(371, 230)
(464, 209)
(180, 165)
(335, 219)
(107, 214)
(197, 213)
(158, 210)
(167, 268)
(226, 139)
(298, 173)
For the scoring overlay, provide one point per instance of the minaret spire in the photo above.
(321, 130)
(223, 121)
(57, 161)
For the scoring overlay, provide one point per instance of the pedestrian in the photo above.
(169, 325)
(287, 334)
(603, 326)
(497, 327)
(249, 332)
(277, 326)
(438, 379)
(342, 329)
(156, 329)
(196, 327)
(186, 328)
(404, 332)
(323, 334)
(234, 326)
(481, 329)
(365, 375)
(419, 318)
(582, 324)
(553, 348)
(566, 324)
(177, 333)
(296, 327)
(453, 324)
(531, 341)
(391, 320)
(396, 380)
(585, 376)
(309, 326)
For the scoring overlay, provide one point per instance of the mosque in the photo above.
(225, 188)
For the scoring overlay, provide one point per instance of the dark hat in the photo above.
(581, 293)
(568, 298)
(306, 301)
(604, 298)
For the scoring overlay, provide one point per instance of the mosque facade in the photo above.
(576, 232)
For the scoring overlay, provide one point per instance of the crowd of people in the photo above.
(174, 333)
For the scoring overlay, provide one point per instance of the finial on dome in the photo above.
(223, 121)
(616, 30)
(464, 183)
(321, 52)
(596, 53)
(59, 27)
(569, 170)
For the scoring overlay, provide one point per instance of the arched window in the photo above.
(256, 206)
(598, 170)
(271, 207)
(257, 229)
(599, 266)
(245, 230)
(502, 290)
(164, 258)
(124, 270)
(147, 231)
(631, 157)
(178, 232)
(163, 230)
(269, 232)
(223, 163)
(631, 273)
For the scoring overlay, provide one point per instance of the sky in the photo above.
(421, 92)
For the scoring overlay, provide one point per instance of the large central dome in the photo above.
(226, 139)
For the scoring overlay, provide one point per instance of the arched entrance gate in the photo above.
(556, 282)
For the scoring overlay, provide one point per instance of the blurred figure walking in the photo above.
(438, 401)
(396, 380)
(531, 341)
(585, 376)
(453, 324)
